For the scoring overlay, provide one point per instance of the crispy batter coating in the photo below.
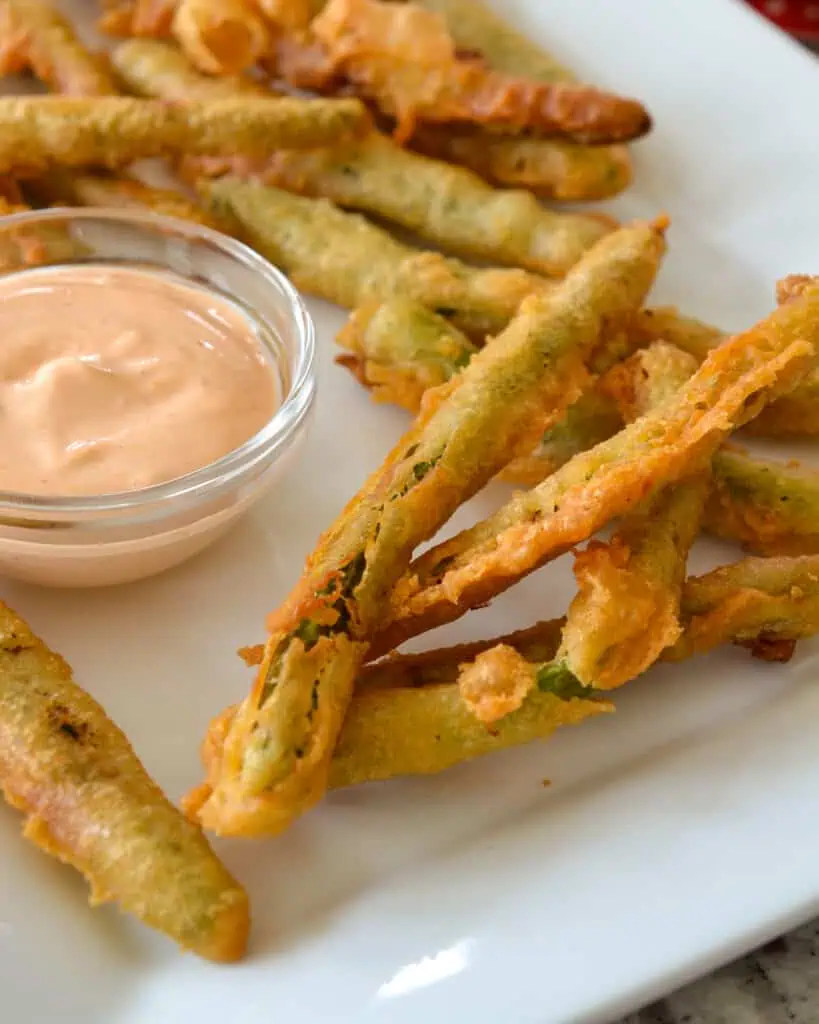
(551, 168)
(400, 365)
(403, 59)
(137, 17)
(398, 731)
(448, 206)
(792, 415)
(769, 507)
(221, 37)
(275, 757)
(346, 259)
(34, 35)
(626, 611)
(728, 389)
(89, 802)
(149, 67)
(765, 604)
(37, 132)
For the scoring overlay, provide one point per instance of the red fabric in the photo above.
(798, 17)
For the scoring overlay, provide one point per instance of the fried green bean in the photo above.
(149, 67)
(37, 132)
(89, 802)
(792, 415)
(34, 35)
(765, 604)
(729, 388)
(626, 611)
(400, 349)
(564, 171)
(345, 258)
(397, 364)
(771, 508)
(445, 205)
(276, 753)
(551, 168)
(407, 731)
(221, 37)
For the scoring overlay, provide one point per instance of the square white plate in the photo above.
(676, 834)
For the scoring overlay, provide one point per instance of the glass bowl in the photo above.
(105, 539)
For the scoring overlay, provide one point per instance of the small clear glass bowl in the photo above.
(105, 539)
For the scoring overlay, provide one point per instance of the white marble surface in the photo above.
(778, 984)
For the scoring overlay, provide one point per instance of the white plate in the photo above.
(675, 835)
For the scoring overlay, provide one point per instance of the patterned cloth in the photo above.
(779, 984)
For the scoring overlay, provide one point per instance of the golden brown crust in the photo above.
(89, 802)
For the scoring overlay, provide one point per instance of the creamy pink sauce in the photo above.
(115, 378)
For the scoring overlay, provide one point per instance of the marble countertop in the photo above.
(778, 984)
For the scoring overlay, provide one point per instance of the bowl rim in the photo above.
(228, 469)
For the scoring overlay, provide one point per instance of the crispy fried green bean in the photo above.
(407, 731)
(448, 206)
(399, 365)
(792, 415)
(345, 258)
(562, 171)
(276, 753)
(626, 611)
(400, 349)
(37, 132)
(765, 604)
(550, 168)
(728, 389)
(149, 67)
(769, 507)
(89, 802)
(35, 35)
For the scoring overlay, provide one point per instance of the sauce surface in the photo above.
(115, 378)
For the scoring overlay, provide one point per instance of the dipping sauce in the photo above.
(117, 378)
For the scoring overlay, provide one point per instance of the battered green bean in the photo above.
(37, 132)
(149, 67)
(89, 802)
(276, 753)
(771, 508)
(567, 172)
(765, 604)
(345, 258)
(626, 611)
(729, 388)
(792, 415)
(396, 364)
(550, 168)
